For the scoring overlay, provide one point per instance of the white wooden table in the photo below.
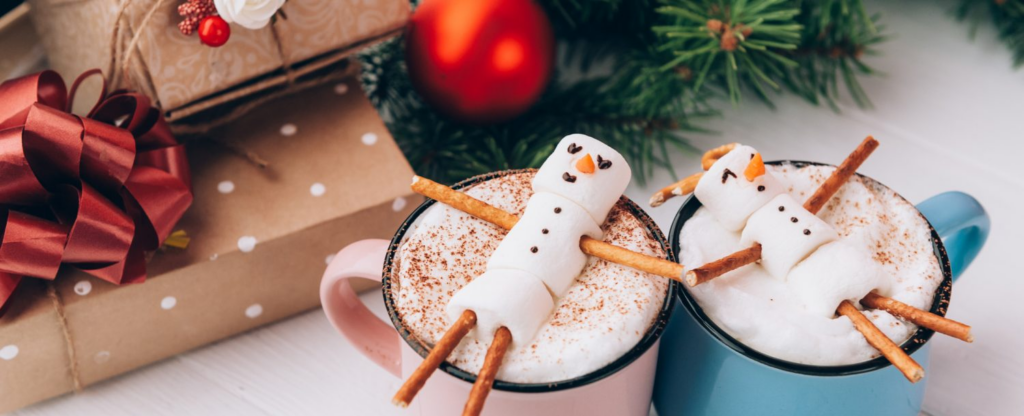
(948, 114)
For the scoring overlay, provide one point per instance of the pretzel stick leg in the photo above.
(892, 352)
(496, 216)
(438, 354)
(842, 174)
(485, 379)
(926, 319)
(683, 187)
(724, 265)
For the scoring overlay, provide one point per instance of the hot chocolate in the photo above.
(602, 314)
(786, 308)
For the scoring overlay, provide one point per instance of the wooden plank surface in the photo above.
(948, 116)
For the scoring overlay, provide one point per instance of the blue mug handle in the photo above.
(961, 222)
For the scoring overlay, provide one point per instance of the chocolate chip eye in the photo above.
(544, 231)
(751, 156)
(727, 174)
(807, 232)
(558, 210)
(602, 163)
(533, 249)
(568, 178)
(794, 219)
(573, 148)
(781, 208)
(760, 188)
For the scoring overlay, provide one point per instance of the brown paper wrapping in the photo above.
(185, 77)
(111, 329)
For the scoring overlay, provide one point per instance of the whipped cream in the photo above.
(774, 316)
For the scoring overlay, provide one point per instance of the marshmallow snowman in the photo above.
(787, 232)
(735, 186)
(540, 257)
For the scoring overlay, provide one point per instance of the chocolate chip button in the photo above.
(794, 219)
(807, 232)
(760, 188)
(781, 208)
(544, 231)
(558, 210)
(533, 249)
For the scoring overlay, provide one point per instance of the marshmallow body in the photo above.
(787, 232)
(728, 195)
(510, 298)
(596, 192)
(837, 271)
(546, 242)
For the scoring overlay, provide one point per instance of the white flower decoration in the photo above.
(250, 14)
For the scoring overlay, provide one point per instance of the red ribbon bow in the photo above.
(96, 192)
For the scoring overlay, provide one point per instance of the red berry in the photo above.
(214, 31)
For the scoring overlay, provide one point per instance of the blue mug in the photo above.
(704, 371)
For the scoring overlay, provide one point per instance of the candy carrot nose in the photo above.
(586, 164)
(755, 168)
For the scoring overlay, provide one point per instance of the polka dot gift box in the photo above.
(258, 242)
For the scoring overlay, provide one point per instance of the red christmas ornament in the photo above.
(214, 31)
(480, 60)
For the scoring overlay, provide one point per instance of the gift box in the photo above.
(259, 239)
(139, 46)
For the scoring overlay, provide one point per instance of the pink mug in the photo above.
(622, 388)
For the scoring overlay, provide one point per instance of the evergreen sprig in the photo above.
(1006, 15)
(646, 72)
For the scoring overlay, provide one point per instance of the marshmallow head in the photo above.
(736, 186)
(586, 172)
(787, 233)
(837, 271)
(546, 242)
(510, 298)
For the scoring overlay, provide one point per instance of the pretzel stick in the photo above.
(926, 319)
(892, 352)
(463, 202)
(683, 187)
(712, 156)
(723, 265)
(485, 379)
(590, 246)
(629, 258)
(842, 174)
(439, 353)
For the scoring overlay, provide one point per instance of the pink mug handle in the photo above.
(376, 339)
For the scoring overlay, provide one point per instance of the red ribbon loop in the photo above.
(95, 192)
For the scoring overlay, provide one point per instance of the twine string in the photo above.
(62, 321)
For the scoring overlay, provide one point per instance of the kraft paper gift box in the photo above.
(334, 176)
(184, 77)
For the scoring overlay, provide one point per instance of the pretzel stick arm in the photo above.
(630, 258)
(892, 352)
(463, 202)
(843, 173)
(926, 319)
(683, 187)
(712, 156)
(496, 216)
(724, 265)
(438, 354)
(485, 380)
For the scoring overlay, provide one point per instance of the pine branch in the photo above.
(660, 66)
(1006, 15)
